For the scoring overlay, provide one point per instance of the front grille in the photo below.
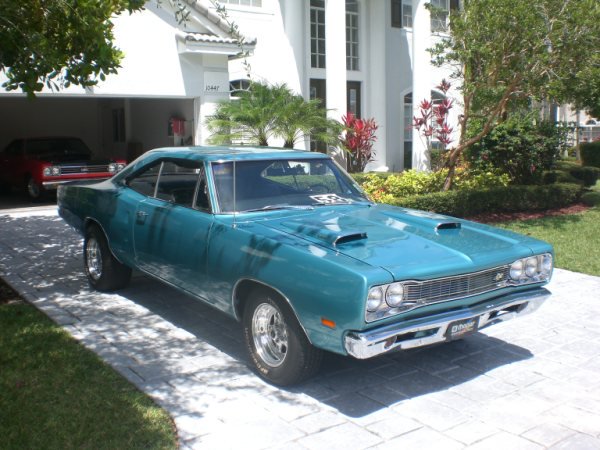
(441, 289)
(68, 170)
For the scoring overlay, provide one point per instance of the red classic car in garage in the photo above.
(41, 164)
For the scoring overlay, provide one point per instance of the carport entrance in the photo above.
(111, 127)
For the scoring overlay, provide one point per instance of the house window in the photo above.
(257, 3)
(402, 13)
(318, 90)
(353, 100)
(440, 13)
(408, 117)
(351, 34)
(407, 15)
(317, 34)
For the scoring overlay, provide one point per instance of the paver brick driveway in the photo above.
(531, 383)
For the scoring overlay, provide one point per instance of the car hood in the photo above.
(408, 243)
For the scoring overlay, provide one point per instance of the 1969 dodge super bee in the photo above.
(287, 243)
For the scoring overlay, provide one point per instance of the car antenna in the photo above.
(234, 196)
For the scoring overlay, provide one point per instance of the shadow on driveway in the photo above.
(41, 256)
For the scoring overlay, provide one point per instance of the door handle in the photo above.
(141, 216)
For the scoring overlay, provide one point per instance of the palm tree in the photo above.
(299, 118)
(250, 117)
(265, 111)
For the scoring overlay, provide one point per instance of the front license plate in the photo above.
(462, 328)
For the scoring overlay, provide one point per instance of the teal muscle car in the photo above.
(287, 243)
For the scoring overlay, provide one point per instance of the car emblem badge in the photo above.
(499, 276)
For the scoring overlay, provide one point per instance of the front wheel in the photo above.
(278, 347)
(34, 190)
(103, 270)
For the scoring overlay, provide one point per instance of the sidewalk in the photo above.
(531, 383)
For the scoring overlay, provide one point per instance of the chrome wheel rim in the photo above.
(33, 189)
(269, 333)
(93, 258)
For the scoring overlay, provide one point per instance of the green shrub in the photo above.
(520, 147)
(589, 175)
(411, 182)
(590, 153)
(591, 198)
(513, 198)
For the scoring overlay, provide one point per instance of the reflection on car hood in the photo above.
(408, 243)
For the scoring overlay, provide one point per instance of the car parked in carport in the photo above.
(286, 242)
(41, 164)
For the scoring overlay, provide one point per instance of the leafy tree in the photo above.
(265, 111)
(505, 50)
(59, 42)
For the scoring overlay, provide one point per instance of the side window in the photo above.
(177, 182)
(145, 181)
(202, 202)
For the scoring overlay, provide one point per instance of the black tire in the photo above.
(278, 347)
(34, 191)
(102, 269)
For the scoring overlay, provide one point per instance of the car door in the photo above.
(172, 227)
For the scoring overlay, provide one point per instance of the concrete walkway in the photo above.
(532, 383)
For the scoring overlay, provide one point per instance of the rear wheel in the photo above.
(103, 270)
(278, 346)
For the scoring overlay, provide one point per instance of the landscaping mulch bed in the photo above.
(505, 217)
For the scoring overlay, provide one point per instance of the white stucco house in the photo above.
(365, 56)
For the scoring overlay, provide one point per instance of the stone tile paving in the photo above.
(533, 383)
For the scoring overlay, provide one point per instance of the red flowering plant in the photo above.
(357, 140)
(432, 121)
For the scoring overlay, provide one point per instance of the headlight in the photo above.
(52, 171)
(394, 295)
(112, 167)
(374, 299)
(535, 269)
(120, 166)
(531, 267)
(516, 270)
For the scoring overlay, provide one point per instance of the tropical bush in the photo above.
(357, 140)
(520, 147)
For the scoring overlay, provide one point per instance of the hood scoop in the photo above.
(447, 226)
(329, 235)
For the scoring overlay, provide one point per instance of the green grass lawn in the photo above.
(576, 238)
(55, 394)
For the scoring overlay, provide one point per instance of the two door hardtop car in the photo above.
(41, 164)
(286, 242)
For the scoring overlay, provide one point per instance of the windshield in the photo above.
(283, 184)
(63, 149)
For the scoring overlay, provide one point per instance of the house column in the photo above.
(335, 57)
(293, 12)
(375, 66)
(420, 77)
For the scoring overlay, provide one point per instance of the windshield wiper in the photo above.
(276, 207)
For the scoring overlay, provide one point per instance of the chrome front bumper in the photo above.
(433, 329)
(53, 185)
